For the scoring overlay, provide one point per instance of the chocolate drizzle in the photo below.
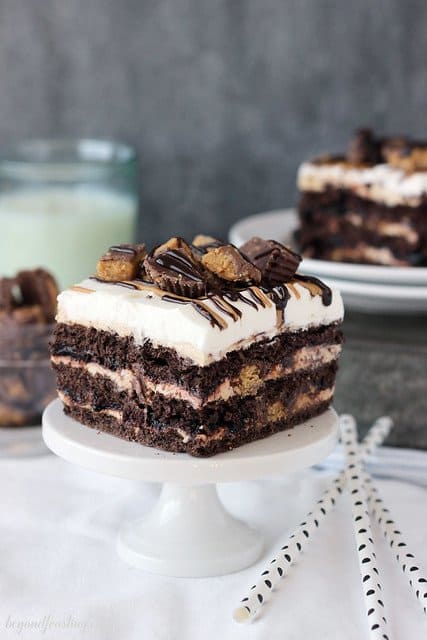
(259, 297)
(235, 296)
(214, 319)
(202, 309)
(280, 296)
(118, 283)
(227, 308)
(122, 248)
(325, 291)
(179, 263)
(254, 297)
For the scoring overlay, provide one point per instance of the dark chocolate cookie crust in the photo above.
(167, 438)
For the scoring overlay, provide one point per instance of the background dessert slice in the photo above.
(369, 206)
(199, 374)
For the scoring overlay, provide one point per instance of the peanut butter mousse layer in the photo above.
(199, 347)
(368, 206)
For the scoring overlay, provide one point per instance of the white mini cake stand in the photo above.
(189, 533)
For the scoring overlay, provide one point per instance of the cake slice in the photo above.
(368, 206)
(201, 348)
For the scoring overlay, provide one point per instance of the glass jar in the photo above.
(27, 383)
(63, 203)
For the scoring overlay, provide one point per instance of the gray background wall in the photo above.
(223, 98)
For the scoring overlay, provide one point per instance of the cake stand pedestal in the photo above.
(189, 533)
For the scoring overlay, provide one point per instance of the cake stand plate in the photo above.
(189, 533)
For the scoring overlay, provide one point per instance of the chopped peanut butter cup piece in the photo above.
(364, 148)
(276, 262)
(227, 263)
(410, 156)
(7, 299)
(173, 268)
(173, 243)
(202, 244)
(29, 315)
(121, 262)
(205, 241)
(38, 289)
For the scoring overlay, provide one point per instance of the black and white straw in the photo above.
(407, 561)
(279, 566)
(371, 585)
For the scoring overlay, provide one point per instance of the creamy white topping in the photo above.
(145, 315)
(381, 183)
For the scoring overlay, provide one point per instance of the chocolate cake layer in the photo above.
(163, 365)
(336, 224)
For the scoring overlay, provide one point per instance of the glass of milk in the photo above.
(63, 203)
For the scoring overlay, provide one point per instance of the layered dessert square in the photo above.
(368, 206)
(27, 311)
(199, 347)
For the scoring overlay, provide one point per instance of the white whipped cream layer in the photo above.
(144, 315)
(381, 183)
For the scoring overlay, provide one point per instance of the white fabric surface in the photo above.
(388, 462)
(58, 525)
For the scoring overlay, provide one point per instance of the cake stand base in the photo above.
(188, 533)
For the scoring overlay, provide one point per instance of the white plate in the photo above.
(280, 225)
(381, 298)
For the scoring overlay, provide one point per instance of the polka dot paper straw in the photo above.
(377, 622)
(406, 560)
(376, 435)
(279, 566)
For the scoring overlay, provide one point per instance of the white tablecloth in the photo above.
(60, 572)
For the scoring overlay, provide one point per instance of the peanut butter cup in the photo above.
(364, 148)
(173, 268)
(276, 262)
